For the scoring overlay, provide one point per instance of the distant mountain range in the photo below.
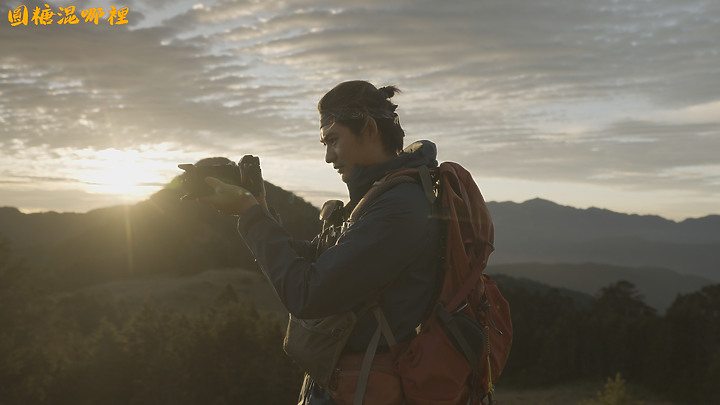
(577, 249)
(542, 231)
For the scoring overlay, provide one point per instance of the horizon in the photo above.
(530, 200)
(596, 104)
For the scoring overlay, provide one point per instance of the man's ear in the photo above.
(371, 128)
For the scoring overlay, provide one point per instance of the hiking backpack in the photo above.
(464, 342)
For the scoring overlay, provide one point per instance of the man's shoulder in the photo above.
(404, 197)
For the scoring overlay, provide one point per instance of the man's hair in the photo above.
(352, 102)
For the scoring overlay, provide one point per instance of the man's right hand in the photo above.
(228, 198)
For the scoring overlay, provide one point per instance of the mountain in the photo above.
(160, 235)
(579, 249)
(659, 287)
(505, 282)
(542, 231)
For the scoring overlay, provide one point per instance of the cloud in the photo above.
(617, 93)
(628, 154)
(543, 51)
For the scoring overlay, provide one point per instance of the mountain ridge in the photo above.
(543, 231)
(163, 235)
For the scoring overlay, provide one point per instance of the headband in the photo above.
(327, 117)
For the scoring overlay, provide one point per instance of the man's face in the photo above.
(344, 150)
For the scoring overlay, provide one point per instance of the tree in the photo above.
(618, 328)
(622, 299)
(545, 327)
(690, 348)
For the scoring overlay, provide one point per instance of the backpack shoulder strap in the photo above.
(417, 175)
(421, 175)
(382, 329)
(427, 182)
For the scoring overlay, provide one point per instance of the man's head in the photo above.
(359, 126)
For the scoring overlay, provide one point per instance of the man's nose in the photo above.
(329, 155)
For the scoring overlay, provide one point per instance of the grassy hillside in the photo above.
(193, 293)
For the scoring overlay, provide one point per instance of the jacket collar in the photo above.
(420, 153)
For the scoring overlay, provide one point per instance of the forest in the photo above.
(64, 347)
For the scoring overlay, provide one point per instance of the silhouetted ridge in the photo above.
(160, 235)
(540, 230)
(166, 235)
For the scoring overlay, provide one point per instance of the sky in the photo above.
(597, 103)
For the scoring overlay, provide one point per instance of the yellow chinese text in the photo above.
(42, 16)
(92, 14)
(69, 17)
(18, 16)
(66, 15)
(118, 16)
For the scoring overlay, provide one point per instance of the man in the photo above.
(391, 253)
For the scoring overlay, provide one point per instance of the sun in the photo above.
(131, 174)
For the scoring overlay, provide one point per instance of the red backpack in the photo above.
(464, 343)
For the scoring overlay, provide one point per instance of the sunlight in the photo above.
(132, 174)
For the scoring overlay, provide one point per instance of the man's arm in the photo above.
(367, 257)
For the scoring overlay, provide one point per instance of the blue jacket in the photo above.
(396, 243)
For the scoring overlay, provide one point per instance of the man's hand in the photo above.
(228, 198)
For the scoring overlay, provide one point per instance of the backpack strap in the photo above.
(427, 183)
(412, 175)
(450, 325)
(380, 187)
(382, 329)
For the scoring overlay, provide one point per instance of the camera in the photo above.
(246, 174)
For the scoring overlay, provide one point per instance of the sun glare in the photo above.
(131, 174)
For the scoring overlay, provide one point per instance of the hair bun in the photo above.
(389, 91)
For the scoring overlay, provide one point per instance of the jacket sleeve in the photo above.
(370, 254)
(305, 248)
